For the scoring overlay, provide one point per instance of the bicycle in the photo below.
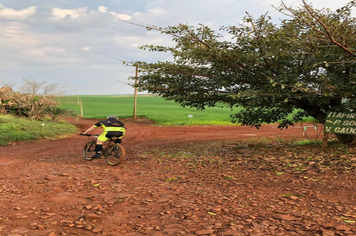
(114, 153)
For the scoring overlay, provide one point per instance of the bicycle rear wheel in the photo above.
(89, 150)
(115, 154)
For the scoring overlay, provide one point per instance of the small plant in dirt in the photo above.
(308, 141)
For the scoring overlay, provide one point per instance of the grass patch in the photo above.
(20, 129)
(308, 142)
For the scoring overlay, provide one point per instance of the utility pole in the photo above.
(135, 64)
(135, 92)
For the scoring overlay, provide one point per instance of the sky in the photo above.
(80, 44)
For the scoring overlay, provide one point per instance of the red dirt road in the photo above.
(47, 189)
(143, 133)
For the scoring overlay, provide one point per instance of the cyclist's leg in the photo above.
(99, 144)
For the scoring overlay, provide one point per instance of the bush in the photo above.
(35, 102)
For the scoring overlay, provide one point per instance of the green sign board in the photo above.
(340, 123)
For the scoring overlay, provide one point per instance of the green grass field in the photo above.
(165, 113)
(152, 107)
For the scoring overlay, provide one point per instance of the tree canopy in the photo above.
(307, 62)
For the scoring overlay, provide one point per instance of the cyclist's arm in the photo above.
(90, 129)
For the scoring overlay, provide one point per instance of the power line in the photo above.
(240, 12)
(247, 9)
(222, 10)
(107, 80)
(161, 29)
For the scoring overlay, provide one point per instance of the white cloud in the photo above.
(11, 14)
(71, 13)
(157, 10)
(59, 14)
(16, 36)
(116, 15)
(120, 16)
(103, 9)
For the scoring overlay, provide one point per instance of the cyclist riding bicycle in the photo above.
(112, 127)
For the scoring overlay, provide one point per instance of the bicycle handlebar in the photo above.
(94, 135)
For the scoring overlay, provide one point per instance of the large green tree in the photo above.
(307, 62)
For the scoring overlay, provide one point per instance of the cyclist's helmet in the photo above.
(112, 117)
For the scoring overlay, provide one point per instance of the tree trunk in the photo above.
(325, 142)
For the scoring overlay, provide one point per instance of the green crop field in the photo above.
(152, 107)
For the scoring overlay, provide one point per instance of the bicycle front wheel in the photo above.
(89, 150)
(115, 154)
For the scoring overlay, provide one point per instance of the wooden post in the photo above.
(81, 108)
(135, 92)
